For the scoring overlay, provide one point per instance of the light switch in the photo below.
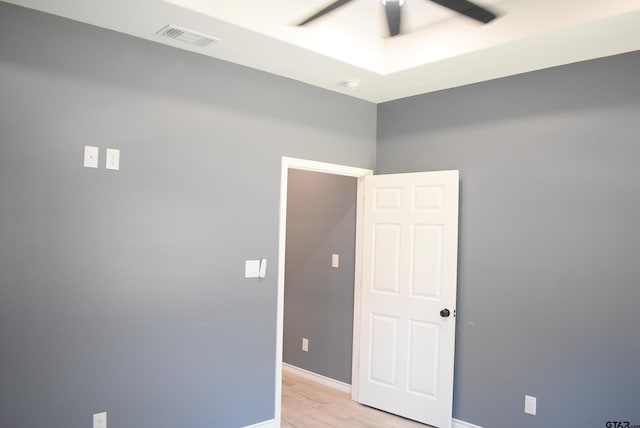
(113, 159)
(530, 405)
(91, 156)
(252, 268)
(335, 260)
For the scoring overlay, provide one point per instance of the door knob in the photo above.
(445, 313)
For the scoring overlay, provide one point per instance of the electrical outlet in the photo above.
(305, 344)
(335, 260)
(100, 420)
(530, 405)
(91, 156)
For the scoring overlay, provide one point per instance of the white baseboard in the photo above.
(456, 423)
(315, 377)
(266, 424)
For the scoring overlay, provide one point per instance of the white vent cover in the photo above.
(187, 36)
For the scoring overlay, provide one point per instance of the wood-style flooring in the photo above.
(308, 404)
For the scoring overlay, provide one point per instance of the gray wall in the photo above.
(124, 291)
(549, 272)
(318, 299)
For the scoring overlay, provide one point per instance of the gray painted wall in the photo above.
(124, 291)
(318, 299)
(549, 273)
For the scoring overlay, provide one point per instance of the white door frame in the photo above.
(328, 168)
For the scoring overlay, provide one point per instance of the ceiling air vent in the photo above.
(187, 36)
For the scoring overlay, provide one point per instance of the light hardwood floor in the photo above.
(307, 404)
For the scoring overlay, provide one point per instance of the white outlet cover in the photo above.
(100, 420)
(113, 159)
(91, 154)
(335, 260)
(305, 344)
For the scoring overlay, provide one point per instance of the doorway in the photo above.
(304, 165)
(405, 268)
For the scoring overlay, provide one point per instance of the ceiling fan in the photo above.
(394, 16)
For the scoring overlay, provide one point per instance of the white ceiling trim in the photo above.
(440, 50)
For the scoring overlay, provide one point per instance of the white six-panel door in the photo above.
(409, 267)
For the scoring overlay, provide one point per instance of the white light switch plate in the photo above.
(100, 420)
(91, 156)
(530, 405)
(335, 260)
(252, 268)
(113, 159)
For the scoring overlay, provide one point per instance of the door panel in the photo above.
(423, 356)
(384, 339)
(426, 278)
(386, 241)
(409, 263)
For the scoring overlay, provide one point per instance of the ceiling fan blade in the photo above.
(394, 16)
(469, 9)
(324, 11)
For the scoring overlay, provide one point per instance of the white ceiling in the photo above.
(437, 50)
